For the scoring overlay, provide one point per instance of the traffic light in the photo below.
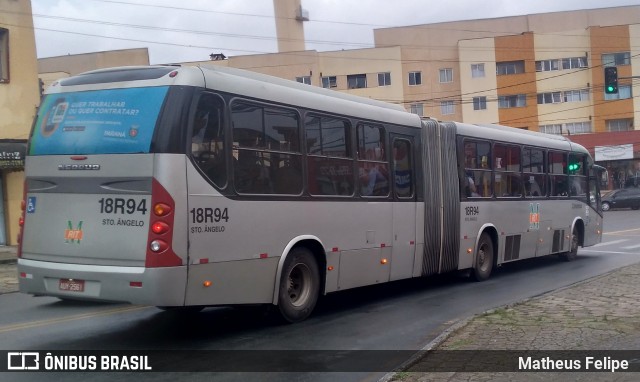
(573, 167)
(611, 80)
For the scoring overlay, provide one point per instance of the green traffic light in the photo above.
(610, 88)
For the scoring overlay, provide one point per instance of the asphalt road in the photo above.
(399, 316)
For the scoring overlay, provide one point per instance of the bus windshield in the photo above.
(111, 121)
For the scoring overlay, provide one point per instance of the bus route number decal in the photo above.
(122, 206)
(471, 213)
(209, 216)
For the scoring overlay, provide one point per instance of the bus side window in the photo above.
(207, 139)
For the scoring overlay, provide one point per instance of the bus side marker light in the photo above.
(330, 268)
(25, 275)
(334, 249)
(383, 245)
(207, 284)
(135, 284)
(599, 232)
(204, 261)
(469, 250)
(173, 74)
(383, 261)
(264, 255)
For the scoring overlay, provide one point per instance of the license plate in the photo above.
(71, 285)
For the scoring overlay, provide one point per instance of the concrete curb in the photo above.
(465, 321)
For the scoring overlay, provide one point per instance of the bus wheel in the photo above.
(299, 285)
(484, 259)
(573, 251)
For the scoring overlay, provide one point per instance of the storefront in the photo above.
(618, 152)
(12, 154)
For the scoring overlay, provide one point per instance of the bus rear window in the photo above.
(112, 121)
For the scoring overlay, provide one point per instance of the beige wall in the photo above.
(559, 45)
(78, 63)
(19, 99)
(478, 51)
(290, 31)
(337, 63)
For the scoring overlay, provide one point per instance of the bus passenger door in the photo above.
(404, 208)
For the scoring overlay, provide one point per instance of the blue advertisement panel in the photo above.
(113, 121)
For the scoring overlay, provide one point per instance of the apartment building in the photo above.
(542, 72)
(19, 99)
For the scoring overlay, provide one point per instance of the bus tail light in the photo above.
(159, 228)
(158, 246)
(23, 208)
(159, 243)
(161, 209)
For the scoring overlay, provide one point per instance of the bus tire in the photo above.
(573, 251)
(299, 285)
(484, 259)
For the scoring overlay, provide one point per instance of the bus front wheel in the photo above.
(299, 285)
(484, 258)
(573, 251)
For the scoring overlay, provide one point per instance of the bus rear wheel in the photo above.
(484, 259)
(299, 286)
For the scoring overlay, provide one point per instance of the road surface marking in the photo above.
(35, 324)
(632, 247)
(610, 242)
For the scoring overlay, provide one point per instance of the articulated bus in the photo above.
(192, 187)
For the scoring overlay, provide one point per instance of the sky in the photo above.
(191, 30)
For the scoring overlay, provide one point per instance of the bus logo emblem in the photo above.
(73, 235)
(534, 215)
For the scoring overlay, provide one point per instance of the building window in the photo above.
(415, 78)
(304, 80)
(619, 124)
(574, 63)
(547, 65)
(447, 107)
(329, 82)
(509, 67)
(578, 127)
(624, 92)
(506, 102)
(477, 70)
(555, 97)
(356, 81)
(384, 79)
(4, 55)
(479, 103)
(615, 59)
(551, 129)
(446, 75)
(417, 108)
(576, 95)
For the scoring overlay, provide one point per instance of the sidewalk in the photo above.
(8, 272)
(602, 313)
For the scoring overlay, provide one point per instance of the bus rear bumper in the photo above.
(136, 285)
